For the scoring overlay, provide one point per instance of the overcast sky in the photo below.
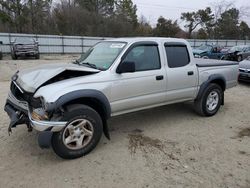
(172, 9)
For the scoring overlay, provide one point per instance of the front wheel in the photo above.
(210, 101)
(81, 134)
(205, 57)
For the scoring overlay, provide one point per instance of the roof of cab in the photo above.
(140, 39)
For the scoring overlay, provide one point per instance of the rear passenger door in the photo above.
(182, 73)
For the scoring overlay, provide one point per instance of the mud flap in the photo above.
(222, 100)
(106, 130)
(44, 139)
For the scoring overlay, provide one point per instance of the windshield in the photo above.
(237, 48)
(205, 48)
(24, 40)
(102, 55)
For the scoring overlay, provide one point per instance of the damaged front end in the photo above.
(23, 108)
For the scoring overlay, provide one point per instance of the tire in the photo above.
(76, 114)
(37, 56)
(14, 56)
(205, 57)
(209, 108)
(239, 58)
(1, 56)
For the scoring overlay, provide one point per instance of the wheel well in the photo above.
(98, 106)
(93, 103)
(220, 82)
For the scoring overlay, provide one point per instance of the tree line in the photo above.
(116, 18)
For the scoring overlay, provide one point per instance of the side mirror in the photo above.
(126, 66)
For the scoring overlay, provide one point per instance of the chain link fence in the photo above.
(57, 44)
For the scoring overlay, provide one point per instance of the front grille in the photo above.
(25, 96)
(244, 77)
(16, 91)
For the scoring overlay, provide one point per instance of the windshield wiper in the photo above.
(76, 62)
(88, 64)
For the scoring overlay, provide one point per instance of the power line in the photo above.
(162, 6)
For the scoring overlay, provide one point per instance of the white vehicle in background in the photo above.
(1, 53)
(69, 104)
(244, 69)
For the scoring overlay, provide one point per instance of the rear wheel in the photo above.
(81, 134)
(210, 101)
(1, 56)
(239, 58)
(14, 56)
(37, 56)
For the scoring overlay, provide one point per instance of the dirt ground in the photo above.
(169, 146)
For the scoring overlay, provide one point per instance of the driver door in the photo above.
(142, 88)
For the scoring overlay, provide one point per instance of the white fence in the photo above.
(53, 44)
(56, 44)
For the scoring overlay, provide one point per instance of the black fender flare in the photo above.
(211, 79)
(85, 93)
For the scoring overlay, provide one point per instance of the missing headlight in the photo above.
(39, 114)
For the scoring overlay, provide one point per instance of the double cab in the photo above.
(69, 104)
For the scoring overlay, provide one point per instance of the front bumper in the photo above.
(20, 113)
(244, 77)
(23, 52)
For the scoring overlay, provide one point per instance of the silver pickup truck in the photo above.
(69, 104)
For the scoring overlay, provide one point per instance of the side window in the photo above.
(145, 57)
(177, 56)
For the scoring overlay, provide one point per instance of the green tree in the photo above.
(144, 28)
(244, 31)
(228, 25)
(126, 10)
(14, 13)
(166, 28)
(202, 18)
(202, 34)
(39, 15)
(102, 7)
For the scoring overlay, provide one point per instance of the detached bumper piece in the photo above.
(16, 117)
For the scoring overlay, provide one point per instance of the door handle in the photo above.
(190, 73)
(159, 77)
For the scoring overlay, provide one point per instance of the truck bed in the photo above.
(212, 62)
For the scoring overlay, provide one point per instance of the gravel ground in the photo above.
(168, 146)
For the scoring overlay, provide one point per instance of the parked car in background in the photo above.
(1, 53)
(237, 53)
(244, 68)
(208, 52)
(24, 47)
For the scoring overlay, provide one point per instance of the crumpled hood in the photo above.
(197, 51)
(245, 64)
(33, 78)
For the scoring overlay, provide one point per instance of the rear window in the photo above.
(177, 56)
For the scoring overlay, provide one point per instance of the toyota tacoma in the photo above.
(69, 104)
